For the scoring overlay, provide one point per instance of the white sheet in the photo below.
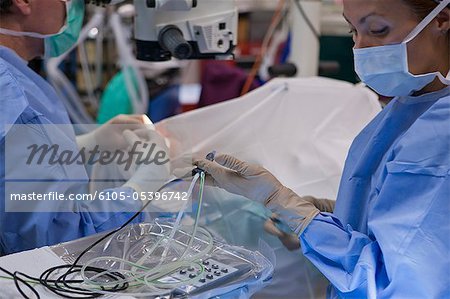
(301, 133)
(299, 129)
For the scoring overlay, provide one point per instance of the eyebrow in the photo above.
(362, 20)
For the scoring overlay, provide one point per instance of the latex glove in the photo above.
(289, 240)
(257, 183)
(109, 136)
(181, 166)
(154, 170)
(324, 205)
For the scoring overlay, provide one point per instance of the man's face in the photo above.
(47, 16)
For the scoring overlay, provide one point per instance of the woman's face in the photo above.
(383, 22)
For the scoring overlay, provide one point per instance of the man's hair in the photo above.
(5, 5)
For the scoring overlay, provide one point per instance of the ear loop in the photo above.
(425, 22)
(444, 32)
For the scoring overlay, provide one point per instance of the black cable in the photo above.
(52, 285)
(64, 287)
(19, 288)
(16, 279)
(59, 290)
(306, 18)
(61, 286)
(120, 228)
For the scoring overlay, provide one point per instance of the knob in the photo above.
(171, 39)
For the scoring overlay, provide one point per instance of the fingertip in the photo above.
(270, 227)
(197, 157)
(130, 136)
(207, 166)
(146, 120)
(200, 162)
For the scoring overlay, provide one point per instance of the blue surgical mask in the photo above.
(385, 68)
(58, 43)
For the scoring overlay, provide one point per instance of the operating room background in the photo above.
(187, 85)
(199, 79)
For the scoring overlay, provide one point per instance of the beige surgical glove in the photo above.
(324, 205)
(256, 183)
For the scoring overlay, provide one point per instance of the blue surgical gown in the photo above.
(389, 236)
(26, 98)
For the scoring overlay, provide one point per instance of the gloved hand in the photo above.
(152, 169)
(291, 241)
(324, 205)
(256, 183)
(109, 136)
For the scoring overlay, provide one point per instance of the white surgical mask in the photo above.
(385, 68)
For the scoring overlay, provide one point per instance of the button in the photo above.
(192, 275)
(205, 263)
(202, 280)
(183, 271)
(215, 266)
(190, 269)
(209, 276)
(217, 273)
(224, 270)
(207, 269)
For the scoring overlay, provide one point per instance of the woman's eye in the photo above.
(379, 32)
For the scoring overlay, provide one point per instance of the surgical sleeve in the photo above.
(107, 215)
(405, 252)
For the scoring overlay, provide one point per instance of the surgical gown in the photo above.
(26, 98)
(389, 236)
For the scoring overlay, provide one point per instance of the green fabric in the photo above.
(115, 99)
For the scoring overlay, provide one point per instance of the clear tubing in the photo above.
(160, 288)
(200, 201)
(140, 275)
(179, 217)
(175, 227)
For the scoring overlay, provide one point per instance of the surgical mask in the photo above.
(385, 68)
(58, 43)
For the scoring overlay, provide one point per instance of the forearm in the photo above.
(110, 214)
(348, 259)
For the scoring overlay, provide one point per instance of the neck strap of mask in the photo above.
(427, 20)
(22, 33)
